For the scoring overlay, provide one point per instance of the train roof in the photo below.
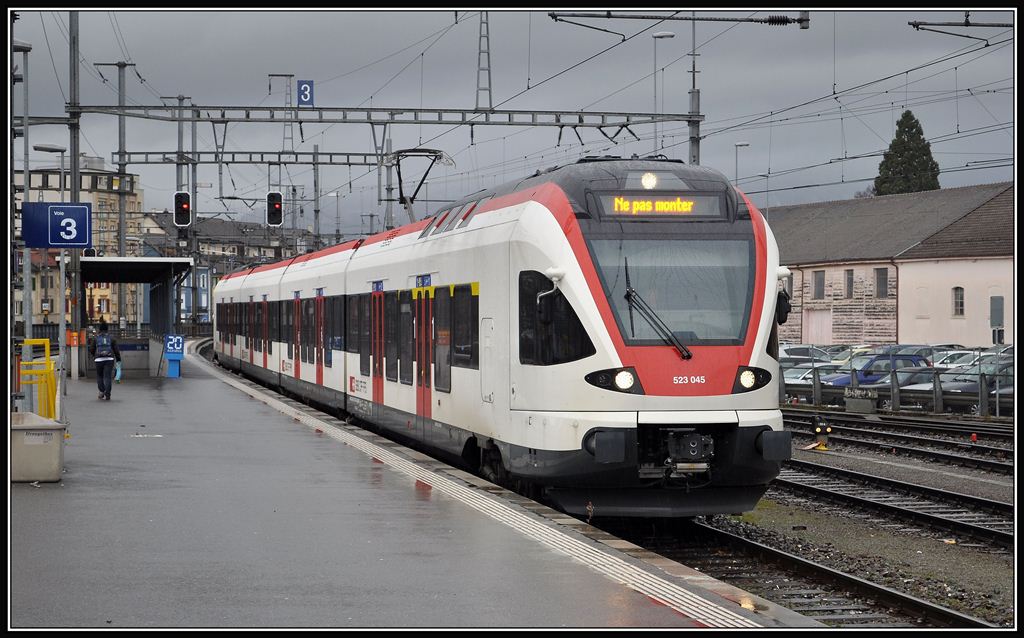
(574, 179)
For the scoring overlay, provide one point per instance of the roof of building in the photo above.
(884, 227)
(212, 229)
(987, 231)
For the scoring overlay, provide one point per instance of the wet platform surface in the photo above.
(189, 503)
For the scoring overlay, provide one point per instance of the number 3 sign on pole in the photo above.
(57, 225)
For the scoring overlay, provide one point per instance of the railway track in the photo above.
(966, 453)
(982, 519)
(961, 429)
(827, 595)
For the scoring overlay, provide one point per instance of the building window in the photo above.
(881, 283)
(958, 301)
(819, 284)
(849, 283)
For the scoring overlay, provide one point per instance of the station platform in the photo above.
(209, 501)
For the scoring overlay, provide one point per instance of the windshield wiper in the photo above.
(648, 313)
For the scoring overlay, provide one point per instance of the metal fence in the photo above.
(993, 397)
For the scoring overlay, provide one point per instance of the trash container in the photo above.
(37, 448)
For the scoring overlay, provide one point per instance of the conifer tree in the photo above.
(908, 166)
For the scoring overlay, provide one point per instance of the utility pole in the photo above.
(194, 228)
(316, 197)
(179, 185)
(121, 176)
(26, 267)
(74, 127)
(389, 213)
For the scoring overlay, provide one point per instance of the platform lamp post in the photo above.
(660, 35)
(736, 166)
(61, 296)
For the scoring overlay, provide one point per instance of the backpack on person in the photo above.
(104, 345)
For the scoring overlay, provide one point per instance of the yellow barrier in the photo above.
(43, 375)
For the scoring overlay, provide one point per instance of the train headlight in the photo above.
(625, 380)
(747, 379)
(617, 380)
(648, 180)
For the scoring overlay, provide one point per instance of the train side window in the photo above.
(405, 345)
(391, 336)
(465, 327)
(352, 323)
(442, 339)
(258, 341)
(453, 218)
(472, 213)
(549, 332)
(364, 335)
(430, 225)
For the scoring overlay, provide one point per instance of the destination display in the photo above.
(661, 205)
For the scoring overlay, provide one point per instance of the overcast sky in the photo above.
(753, 80)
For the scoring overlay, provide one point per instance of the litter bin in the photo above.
(37, 448)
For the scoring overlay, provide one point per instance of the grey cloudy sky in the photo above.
(751, 78)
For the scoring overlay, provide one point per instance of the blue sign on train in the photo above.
(57, 225)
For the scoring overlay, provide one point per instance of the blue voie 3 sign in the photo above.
(57, 225)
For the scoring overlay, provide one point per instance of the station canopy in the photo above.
(127, 270)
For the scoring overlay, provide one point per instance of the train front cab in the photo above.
(688, 435)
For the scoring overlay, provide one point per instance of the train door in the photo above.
(232, 326)
(488, 364)
(423, 313)
(296, 334)
(263, 330)
(377, 343)
(250, 335)
(318, 340)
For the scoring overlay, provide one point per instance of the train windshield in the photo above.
(701, 289)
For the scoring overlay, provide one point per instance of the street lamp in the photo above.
(657, 36)
(61, 307)
(736, 167)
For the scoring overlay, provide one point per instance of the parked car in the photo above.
(905, 377)
(966, 379)
(804, 350)
(948, 346)
(804, 374)
(976, 358)
(872, 367)
(928, 352)
(955, 357)
(1002, 348)
(844, 356)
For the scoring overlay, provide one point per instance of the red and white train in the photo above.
(605, 331)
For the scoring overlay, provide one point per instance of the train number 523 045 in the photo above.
(688, 380)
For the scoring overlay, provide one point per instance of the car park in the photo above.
(869, 368)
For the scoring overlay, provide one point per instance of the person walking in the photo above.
(104, 352)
